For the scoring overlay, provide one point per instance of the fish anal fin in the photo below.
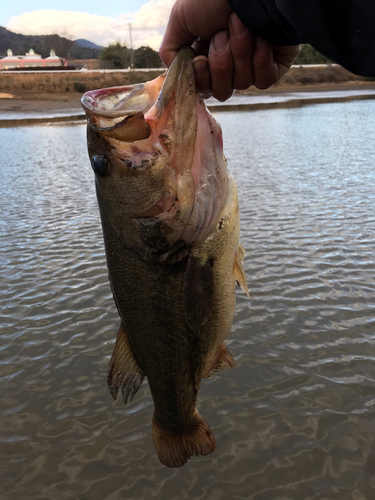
(223, 361)
(198, 293)
(174, 446)
(238, 271)
(123, 370)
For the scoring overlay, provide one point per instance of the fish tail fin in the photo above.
(174, 447)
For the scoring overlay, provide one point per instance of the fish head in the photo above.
(157, 154)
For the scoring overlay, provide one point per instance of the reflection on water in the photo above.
(295, 420)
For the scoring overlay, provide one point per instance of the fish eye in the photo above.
(100, 165)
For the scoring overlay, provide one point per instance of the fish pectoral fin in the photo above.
(123, 370)
(223, 361)
(238, 271)
(198, 293)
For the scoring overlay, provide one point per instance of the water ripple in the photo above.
(295, 420)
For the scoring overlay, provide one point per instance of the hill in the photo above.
(81, 42)
(42, 44)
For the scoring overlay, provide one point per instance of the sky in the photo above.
(98, 21)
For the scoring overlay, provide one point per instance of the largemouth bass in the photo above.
(170, 218)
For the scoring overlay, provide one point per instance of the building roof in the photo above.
(52, 56)
(31, 55)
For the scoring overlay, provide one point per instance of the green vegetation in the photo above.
(79, 87)
(120, 56)
(78, 52)
(309, 55)
(117, 54)
(146, 57)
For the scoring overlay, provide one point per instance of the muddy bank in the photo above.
(301, 86)
(75, 82)
(78, 82)
(42, 102)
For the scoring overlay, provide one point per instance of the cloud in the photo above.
(69, 24)
(153, 14)
(148, 24)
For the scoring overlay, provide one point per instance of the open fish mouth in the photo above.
(118, 112)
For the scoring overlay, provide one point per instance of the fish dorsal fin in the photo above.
(123, 369)
(238, 271)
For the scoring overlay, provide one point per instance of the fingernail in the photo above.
(220, 41)
(238, 27)
(202, 76)
(259, 42)
(205, 94)
(200, 66)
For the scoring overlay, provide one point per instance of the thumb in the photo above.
(176, 35)
(192, 19)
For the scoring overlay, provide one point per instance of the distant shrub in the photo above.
(310, 75)
(309, 55)
(309, 79)
(79, 87)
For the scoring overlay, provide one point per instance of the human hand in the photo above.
(229, 56)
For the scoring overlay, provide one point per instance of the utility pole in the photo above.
(131, 46)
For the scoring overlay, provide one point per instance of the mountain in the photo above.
(42, 44)
(81, 42)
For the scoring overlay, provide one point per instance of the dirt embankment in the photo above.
(80, 81)
(72, 82)
(319, 74)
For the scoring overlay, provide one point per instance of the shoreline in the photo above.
(34, 109)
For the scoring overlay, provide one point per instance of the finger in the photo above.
(202, 47)
(191, 19)
(177, 34)
(202, 76)
(221, 66)
(265, 70)
(241, 46)
(284, 57)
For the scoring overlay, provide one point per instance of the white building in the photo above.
(30, 60)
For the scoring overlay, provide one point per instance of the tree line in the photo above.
(120, 56)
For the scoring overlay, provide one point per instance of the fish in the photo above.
(170, 219)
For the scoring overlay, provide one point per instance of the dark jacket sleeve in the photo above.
(342, 30)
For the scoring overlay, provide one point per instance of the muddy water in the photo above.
(295, 420)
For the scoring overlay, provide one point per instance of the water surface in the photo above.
(295, 420)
